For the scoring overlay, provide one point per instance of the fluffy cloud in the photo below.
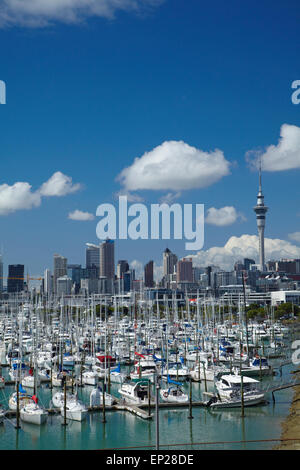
(176, 166)
(224, 216)
(41, 13)
(283, 156)
(20, 196)
(80, 215)
(245, 246)
(295, 236)
(17, 197)
(59, 185)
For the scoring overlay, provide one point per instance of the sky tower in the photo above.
(260, 209)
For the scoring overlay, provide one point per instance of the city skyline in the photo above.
(77, 138)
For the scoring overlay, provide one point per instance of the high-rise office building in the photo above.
(260, 209)
(128, 279)
(107, 259)
(92, 256)
(48, 282)
(248, 262)
(148, 273)
(208, 272)
(169, 262)
(15, 281)
(59, 269)
(185, 270)
(63, 285)
(122, 268)
(76, 273)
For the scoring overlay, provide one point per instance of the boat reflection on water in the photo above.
(235, 413)
(35, 431)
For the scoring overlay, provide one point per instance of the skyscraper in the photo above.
(260, 209)
(15, 281)
(185, 270)
(60, 269)
(92, 256)
(169, 262)
(149, 274)
(107, 259)
(122, 268)
(48, 282)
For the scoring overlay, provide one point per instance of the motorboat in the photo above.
(144, 368)
(258, 367)
(135, 392)
(229, 392)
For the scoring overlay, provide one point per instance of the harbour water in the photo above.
(218, 429)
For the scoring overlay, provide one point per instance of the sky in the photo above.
(162, 100)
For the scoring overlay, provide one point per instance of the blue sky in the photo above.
(89, 97)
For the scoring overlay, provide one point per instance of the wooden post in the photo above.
(149, 398)
(72, 381)
(18, 406)
(242, 391)
(260, 372)
(204, 373)
(103, 403)
(108, 381)
(65, 401)
(157, 414)
(190, 401)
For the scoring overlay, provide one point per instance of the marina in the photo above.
(188, 367)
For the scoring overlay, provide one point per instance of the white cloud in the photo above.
(41, 13)
(294, 236)
(17, 197)
(20, 196)
(176, 166)
(245, 246)
(283, 156)
(224, 216)
(59, 185)
(80, 215)
(158, 272)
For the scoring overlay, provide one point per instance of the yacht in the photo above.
(229, 392)
(135, 392)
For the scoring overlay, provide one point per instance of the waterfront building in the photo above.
(59, 269)
(15, 281)
(107, 259)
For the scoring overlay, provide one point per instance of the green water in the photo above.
(123, 429)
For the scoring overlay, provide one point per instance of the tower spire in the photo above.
(260, 209)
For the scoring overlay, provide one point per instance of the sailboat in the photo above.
(75, 410)
(32, 412)
(116, 376)
(174, 394)
(96, 398)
